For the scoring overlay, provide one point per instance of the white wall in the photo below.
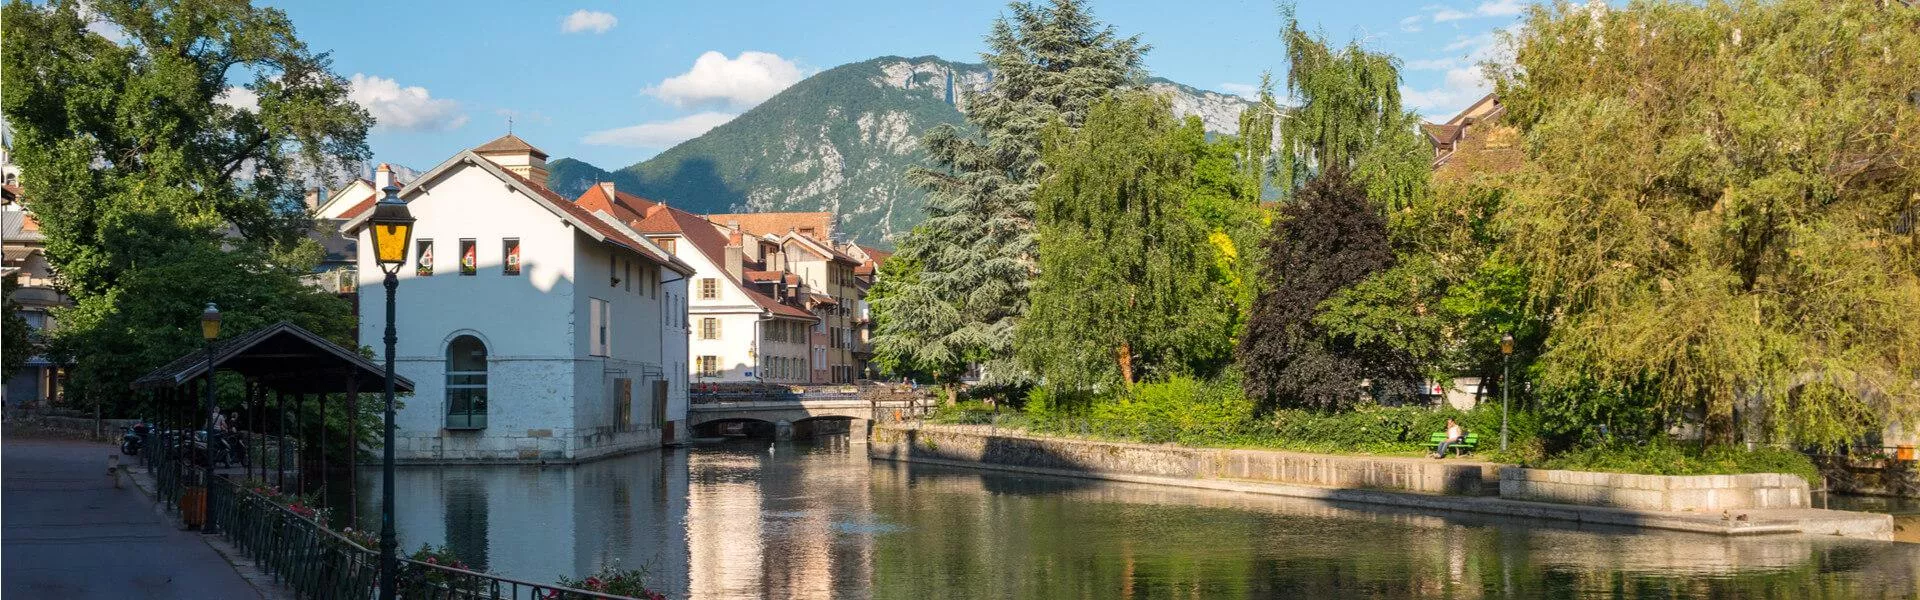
(547, 397)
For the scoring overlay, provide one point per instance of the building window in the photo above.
(466, 383)
(423, 258)
(709, 328)
(626, 273)
(510, 256)
(667, 244)
(709, 366)
(653, 281)
(469, 261)
(709, 288)
(599, 320)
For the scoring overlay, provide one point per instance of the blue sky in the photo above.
(613, 83)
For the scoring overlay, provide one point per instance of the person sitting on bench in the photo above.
(1454, 435)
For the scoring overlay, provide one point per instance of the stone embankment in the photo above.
(1724, 505)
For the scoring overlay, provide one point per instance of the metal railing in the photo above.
(321, 564)
(315, 562)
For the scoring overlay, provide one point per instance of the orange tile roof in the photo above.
(778, 223)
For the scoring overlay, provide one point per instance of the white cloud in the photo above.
(1490, 8)
(99, 24)
(738, 82)
(1410, 24)
(1460, 87)
(239, 97)
(584, 20)
(659, 134)
(404, 108)
(1463, 81)
(1500, 8)
(1243, 90)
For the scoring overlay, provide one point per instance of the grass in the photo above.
(1662, 457)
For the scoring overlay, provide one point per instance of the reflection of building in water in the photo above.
(806, 532)
(723, 525)
(538, 524)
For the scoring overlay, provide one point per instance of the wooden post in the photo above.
(323, 449)
(299, 432)
(353, 446)
(280, 440)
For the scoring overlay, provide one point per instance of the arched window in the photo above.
(466, 383)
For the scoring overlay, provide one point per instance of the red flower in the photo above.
(594, 583)
(431, 561)
(653, 595)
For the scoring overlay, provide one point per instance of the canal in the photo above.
(818, 519)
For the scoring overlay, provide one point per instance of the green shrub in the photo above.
(1664, 457)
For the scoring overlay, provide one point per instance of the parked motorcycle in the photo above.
(133, 438)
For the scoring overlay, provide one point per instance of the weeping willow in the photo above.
(1718, 208)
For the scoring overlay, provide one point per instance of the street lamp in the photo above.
(392, 227)
(1506, 357)
(209, 329)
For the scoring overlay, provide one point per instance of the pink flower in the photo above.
(431, 561)
(594, 583)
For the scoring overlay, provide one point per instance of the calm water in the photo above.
(818, 519)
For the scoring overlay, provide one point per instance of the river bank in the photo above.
(1426, 484)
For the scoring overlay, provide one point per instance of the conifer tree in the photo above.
(977, 249)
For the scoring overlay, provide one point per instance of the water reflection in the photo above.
(815, 520)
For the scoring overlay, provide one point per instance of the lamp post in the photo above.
(209, 329)
(1506, 357)
(392, 228)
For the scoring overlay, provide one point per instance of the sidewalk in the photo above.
(70, 534)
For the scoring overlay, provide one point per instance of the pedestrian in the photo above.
(1454, 434)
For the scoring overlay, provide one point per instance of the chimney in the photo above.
(606, 187)
(736, 267)
(382, 178)
(517, 156)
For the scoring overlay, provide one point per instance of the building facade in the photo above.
(534, 330)
(39, 381)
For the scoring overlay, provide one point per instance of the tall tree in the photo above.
(16, 346)
(1327, 238)
(976, 248)
(1349, 118)
(1718, 201)
(1350, 129)
(1126, 289)
(159, 186)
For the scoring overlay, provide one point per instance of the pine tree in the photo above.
(977, 248)
(155, 197)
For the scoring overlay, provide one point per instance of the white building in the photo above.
(748, 320)
(534, 330)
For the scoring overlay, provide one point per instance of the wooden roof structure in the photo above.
(282, 356)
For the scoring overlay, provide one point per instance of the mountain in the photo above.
(840, 141)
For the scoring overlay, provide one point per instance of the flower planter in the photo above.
(193, 506)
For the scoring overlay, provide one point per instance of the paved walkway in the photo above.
(70, 534)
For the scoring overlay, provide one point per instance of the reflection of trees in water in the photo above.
(1011, 536)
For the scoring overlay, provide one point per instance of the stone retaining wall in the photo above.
(1698, 493)
(984, 444)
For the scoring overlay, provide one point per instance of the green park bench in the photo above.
(1463, 446)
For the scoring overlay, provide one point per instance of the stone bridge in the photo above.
(703, 415)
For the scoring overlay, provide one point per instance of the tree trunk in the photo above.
(1125, 353)
(1718, 428)
(953, 394)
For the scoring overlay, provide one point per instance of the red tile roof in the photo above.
(704, 237)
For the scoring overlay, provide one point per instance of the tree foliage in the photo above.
(1349, 118)
(1327, 238)
(1131, 278)
(977, 248)
(15, 345)
(155, 196)
(1717, 206)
